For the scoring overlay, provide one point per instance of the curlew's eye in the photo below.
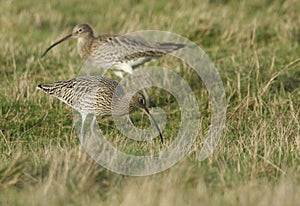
(142, 101)
(80, 30)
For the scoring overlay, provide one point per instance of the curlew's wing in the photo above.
(110, 50)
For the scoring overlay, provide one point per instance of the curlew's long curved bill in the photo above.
(153, 120)
(56, 43)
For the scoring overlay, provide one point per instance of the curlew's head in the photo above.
(130, 102)
(79, 31)
(82, 31)
(138, 101)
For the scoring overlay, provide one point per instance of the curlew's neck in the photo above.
(84, 46)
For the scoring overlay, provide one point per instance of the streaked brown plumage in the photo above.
(121, 51)
(98, 96)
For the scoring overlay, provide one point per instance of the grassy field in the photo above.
(255, 45)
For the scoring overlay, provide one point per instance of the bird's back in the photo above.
(91, 94)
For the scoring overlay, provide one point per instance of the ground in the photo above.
(254, 45)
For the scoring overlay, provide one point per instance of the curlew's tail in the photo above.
(169, 46)
(62, 90)
(57, 88)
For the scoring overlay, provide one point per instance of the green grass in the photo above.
(253, 44)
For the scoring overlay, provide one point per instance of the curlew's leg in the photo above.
(93, 125)
(83, 117)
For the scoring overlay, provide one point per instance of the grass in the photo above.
(253, 44)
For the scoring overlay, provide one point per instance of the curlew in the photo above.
(120, 52)
(98, 96)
